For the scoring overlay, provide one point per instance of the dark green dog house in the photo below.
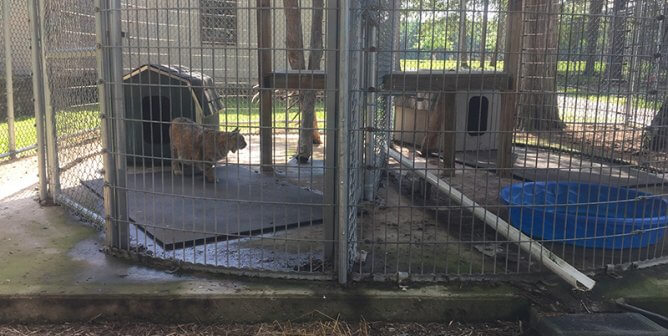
(154, 96)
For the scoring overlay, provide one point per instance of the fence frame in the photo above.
(332, 94)
(9, 80)
(38, 92)
(342, 161)
(50, 116)
(337, 85)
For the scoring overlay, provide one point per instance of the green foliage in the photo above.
(245, 114)
(237, 112)
(414, 64)
(430, 28)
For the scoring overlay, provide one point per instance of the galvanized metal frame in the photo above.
(343, 142)
(110, 93)
(121, 235)
(371, 76)
(338, 206)
(9, 79)
(106, 129)
(38, 96)
(50, 118)
(330, 218)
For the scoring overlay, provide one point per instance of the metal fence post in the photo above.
(264, 41)
(38, 95)
(101, 39)
(342, 142)
(9, 82)
(50, 115)
(370, 73)
(121, 232)
(329, 218)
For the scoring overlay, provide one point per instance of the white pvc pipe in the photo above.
(550, 260)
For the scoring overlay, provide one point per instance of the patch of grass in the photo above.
(25, 134)
(243, 113)
(413, 64)
(238, 112)
(643, 102)
(67, 122)
(572, 67)
(544, 143)
(578, 67)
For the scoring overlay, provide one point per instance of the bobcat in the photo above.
(193, 144)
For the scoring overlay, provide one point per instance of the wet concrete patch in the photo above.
(99, 268)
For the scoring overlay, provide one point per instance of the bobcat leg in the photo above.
(435, 120)
(316, 134)
(177, 167)
(209, 172)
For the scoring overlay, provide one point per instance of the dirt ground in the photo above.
(334, 328)
(17, 175)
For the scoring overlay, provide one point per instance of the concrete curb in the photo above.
(260, 308)
(658, 305)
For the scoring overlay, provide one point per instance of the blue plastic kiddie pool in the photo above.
(586, 215)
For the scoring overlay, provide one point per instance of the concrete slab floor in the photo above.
(643, 288)
(52, 268)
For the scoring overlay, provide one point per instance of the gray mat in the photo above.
(181, 211)
(533, 164)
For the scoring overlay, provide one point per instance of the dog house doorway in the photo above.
(156, 115)
(478, 113)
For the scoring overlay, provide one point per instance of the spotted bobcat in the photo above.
(196, 145)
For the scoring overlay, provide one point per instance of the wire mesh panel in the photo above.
(16, 57)
(70, 73)
(593, 104)
(522, 131)
(380, 36)
(219, 134)
(479, 137)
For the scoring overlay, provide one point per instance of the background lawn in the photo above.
(242, 112)
(238, 112)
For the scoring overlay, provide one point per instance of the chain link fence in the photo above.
(17, 124)
(73, 117)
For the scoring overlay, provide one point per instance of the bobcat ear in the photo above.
(236, 130)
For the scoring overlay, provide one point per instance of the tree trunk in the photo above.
(294, 40)
(396, 24)
(483, 38)
(463, 36)
(657, 133)
(295, 53)
(663, 41)
(538, 102)
(617, 41)
(593, 29)
(309, 136)
(500, 39)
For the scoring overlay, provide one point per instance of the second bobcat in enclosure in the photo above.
(196, 145)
